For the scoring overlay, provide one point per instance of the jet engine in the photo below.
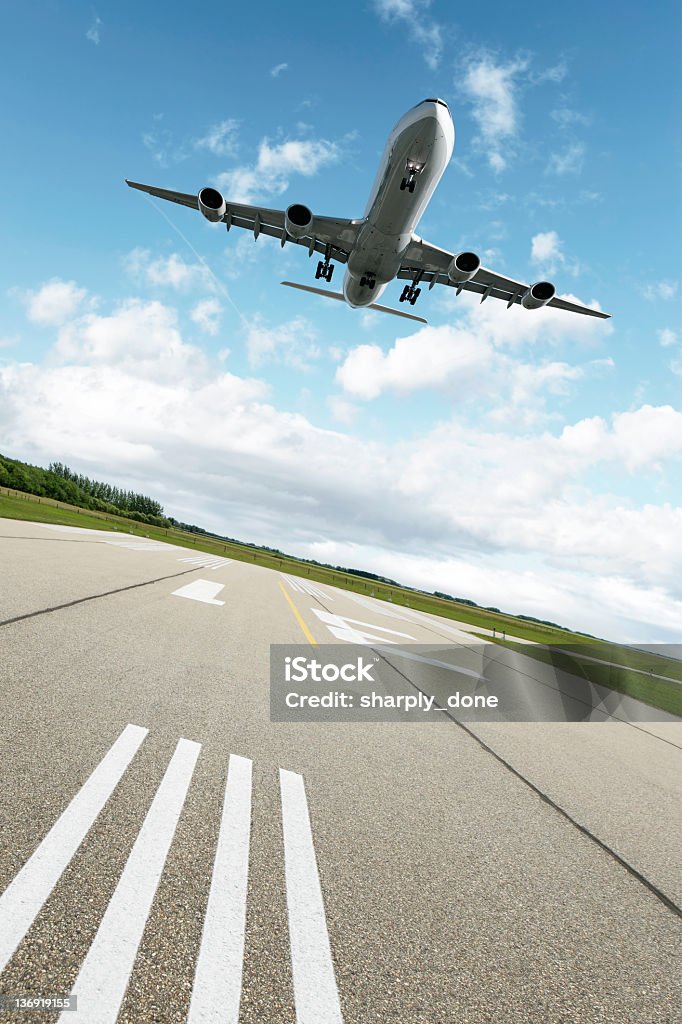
(298, 221)
(212, 204)
(463, 267)
(539, 294)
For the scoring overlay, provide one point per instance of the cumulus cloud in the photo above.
(220, 139)
(206, 315)
(167, 271)
(492, 89)
(54, 302)
(547, 251)
(275, 166)
(278, 69)
(667, 337)
(293, 343)
(411, 14)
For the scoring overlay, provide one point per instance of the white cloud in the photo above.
(54, 302)
(660, 290)
(342, 410)
(667, 337)
(492, 89)
(206, 314)
(508, 517)
(167, 271)
(548, 253)
(138, 337)
(546, 248)
(293, 343)
(569, 161)
(220, 139)
(275, 165)
(278, 69)
(426, 32)
(565, 117)
(93, 33)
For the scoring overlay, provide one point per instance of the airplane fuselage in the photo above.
(418, 150)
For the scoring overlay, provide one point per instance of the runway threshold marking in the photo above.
(218, 978)
(306, 632)
(315, 992)
(201, 590)
(105, 972)
(102, 980)
(26, 894)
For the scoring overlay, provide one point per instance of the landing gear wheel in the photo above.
(411, 185)
(325, 269)
(403, 184)
(416, 292)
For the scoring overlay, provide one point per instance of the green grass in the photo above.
(665, 694)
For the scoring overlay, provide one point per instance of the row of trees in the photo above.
(61, 483)
(126, 501)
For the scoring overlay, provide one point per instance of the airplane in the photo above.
(381, 246)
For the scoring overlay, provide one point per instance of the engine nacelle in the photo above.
(463, 267)
(212, 204)
(298, 221)
(539, 294)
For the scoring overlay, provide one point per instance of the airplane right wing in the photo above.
(428, 264)
(332, 237)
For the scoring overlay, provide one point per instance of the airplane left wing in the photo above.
(427, 263)
(331, 236)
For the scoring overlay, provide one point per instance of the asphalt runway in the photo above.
(168, 853)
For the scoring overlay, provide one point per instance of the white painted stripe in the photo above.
(102, 980)
(26, 894)
(315, 993)
(201, 590)
(218, 978)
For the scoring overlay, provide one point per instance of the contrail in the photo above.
(218, 283)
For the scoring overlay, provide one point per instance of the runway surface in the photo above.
(167, 853)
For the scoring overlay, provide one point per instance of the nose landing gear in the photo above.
(368, 281)
(412, 169)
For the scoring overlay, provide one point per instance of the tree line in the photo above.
(62, 484)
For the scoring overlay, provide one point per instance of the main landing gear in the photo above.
(410, 294)
(325, 269)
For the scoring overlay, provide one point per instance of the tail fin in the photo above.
(339, 295)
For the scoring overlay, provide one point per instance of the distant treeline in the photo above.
(62, 484)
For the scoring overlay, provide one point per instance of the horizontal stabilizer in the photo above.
(339, 295)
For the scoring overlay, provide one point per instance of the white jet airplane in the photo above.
(382, 245)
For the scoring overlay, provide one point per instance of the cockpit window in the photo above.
(434, 99)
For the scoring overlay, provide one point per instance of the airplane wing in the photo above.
(339, 235)
(431, 265)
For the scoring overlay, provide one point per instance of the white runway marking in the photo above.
(218, 978)
(103, 978)
(344, 628)
(306, 587)
(201, 590)
(207, 561)
(25, 895)
(315, 992)
(139, 544)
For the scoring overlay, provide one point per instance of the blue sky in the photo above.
(528, 460)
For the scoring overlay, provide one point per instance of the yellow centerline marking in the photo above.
(308, 635)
